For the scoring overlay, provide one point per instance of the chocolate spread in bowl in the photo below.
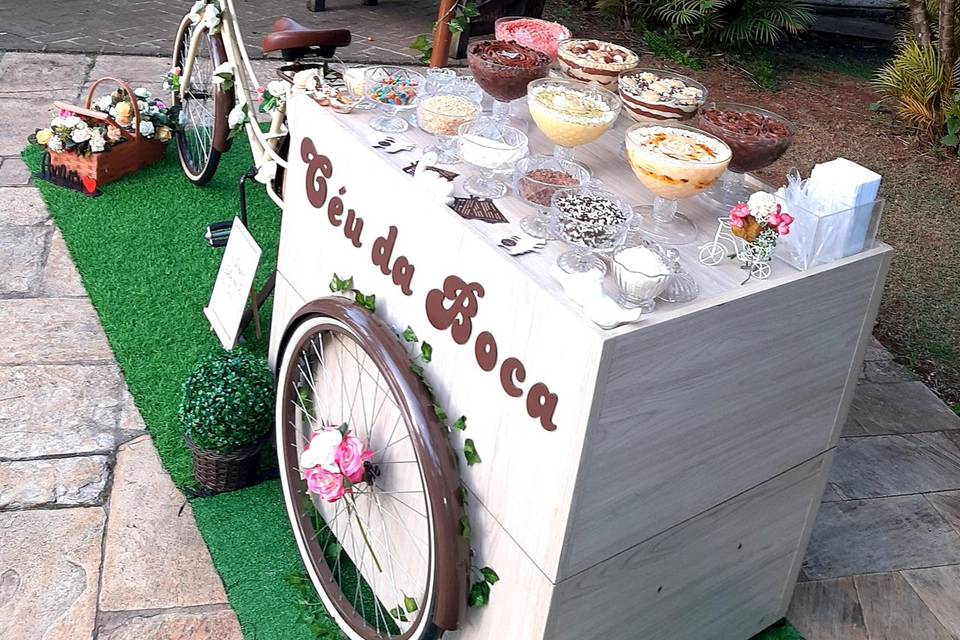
(504, 69)
(755, 139)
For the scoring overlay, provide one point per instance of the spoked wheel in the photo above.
(760, 270)
(387, 557)
(203, 107)
(712, 253)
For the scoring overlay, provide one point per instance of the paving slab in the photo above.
(60, 276)
(22, 205)
(939, 588)
(22, 253)
(216, 625)
(49, 571)
(137, 71)
(827, 610)
(30, 74)
(876, 351)
(879, 535)
(51, 330)
(58, 410)
(79, 481)
(130, 419)
(877, 466)
(898, 407)
(13, 172)
(23, 116)
(155, 557)
(892, 610)
(948, 504)
(883, 371)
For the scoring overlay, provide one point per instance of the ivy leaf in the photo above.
(336, 285)
(420, 43)
(465, 526)
(426, 352)
(479, 594)
(456, 25)
(417, 369)
(398, 614)
(470, 452)
(490, 575)
(462, 495)
(461, 423)
(409, 604)
(441, 414)
(470, 10)
(409, 335)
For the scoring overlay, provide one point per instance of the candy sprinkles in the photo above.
(587, 219)
(396, 91)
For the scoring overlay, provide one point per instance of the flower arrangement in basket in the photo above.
(333, 462)
(749, 234)
(116, 135)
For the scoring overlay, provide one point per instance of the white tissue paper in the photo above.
(832, 211)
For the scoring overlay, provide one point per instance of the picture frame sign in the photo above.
(234, 284)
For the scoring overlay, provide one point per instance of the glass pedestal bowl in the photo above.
(595, 61)
(756, 137)
(674, 162)
(535, 33)
(490, 146)
(503, 70)
(656, 95)
(442, 115)
(393, 89)
(641, 275)
(592, 221)
(570, 113)
(535, 181)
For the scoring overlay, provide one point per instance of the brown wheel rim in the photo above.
(349, 342)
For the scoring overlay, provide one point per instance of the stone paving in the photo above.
(147, 27)
(883, 561)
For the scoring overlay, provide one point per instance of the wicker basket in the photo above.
(134, 153)
(229, 471)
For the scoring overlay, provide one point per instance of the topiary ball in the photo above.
(227, 401)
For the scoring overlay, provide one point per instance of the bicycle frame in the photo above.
(262, 145)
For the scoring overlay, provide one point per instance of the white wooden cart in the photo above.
(672, 491)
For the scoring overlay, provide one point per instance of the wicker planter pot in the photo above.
(228, 471)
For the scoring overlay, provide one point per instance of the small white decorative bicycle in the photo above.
(753, 257)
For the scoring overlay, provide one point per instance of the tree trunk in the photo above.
(918, 18)
(948, 9)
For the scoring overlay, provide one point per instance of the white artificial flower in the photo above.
(225, 68)
(322, 450)
(142, 106)
(277, 88)
(80, 134)
(55, 144)
(237, 117)
(140, 92)
(762, 205)
(82, 125)
(97, 142)
(146, 129)
(196, 11)
(211, 16)
(104, 103)
(71, 121)
(113, 111)
(56, 122)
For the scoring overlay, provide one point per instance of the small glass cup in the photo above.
(393, 89)
(490, 146)
(536, 179)
(354, 80)
(591, 220)
(438, 79)
(641, 274)
(442, 115)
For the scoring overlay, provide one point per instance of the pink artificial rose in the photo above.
(350, 458)
(786, 219)
(736, 222)
(783, 229)
(739, 212)
(260, 91)
(326, 484)
(774, 220)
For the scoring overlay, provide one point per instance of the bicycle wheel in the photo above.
(387, 558)
(203, 130)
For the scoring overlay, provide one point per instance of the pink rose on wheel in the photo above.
(326, 484)
(350, 458)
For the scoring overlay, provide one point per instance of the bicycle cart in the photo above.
(658, 480)
(726, 245)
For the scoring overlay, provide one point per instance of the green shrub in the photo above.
(227, 401)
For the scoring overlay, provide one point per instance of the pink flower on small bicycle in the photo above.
(326, 484)
(350, 457)
(64, 113)
(782, 222)
(738, 214)
(260, 91)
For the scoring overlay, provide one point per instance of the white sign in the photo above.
(234, 283)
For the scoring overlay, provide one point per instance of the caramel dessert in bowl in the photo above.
(652, 95)
(675, 162)
(594, 60)
(571, 113)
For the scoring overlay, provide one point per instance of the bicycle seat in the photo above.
(295, 41)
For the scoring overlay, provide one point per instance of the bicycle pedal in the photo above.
(218, 233)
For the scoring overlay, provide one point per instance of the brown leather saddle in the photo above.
(295, 41)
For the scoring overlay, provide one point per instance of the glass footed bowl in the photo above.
(657, 95)
(596, 61)
(675, 161)
(442, 115)
(756, 137)
(490, 146)
(535, 33)
(504, 69)
(591, 220)
(571, 113)
(393, 89)
(536, 179)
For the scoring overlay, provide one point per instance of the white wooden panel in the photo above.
(286, 301)
(703, 407)
(718, 576)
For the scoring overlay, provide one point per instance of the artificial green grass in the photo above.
(148, 271)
